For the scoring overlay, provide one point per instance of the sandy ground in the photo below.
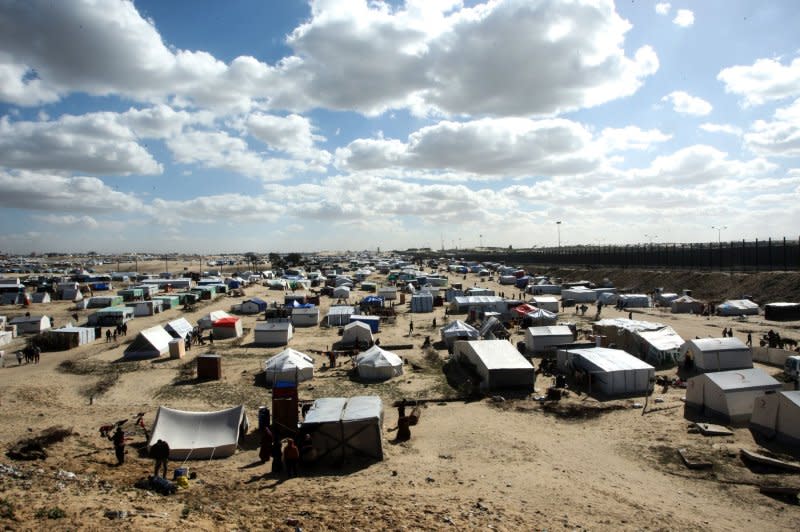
(488, 464)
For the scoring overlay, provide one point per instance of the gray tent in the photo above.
(457, 330)
(343, 428)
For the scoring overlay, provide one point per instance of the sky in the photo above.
(287, 125)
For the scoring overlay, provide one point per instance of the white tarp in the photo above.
(729, 395)
(717, 354)
(737, 307)
(271, 333)
(611, 372)
(661, 347)
(179, 328)
(149, 343)
(207, 321)
(378, 364)
(289, 366)
(496, 362)
(777, 415)
(340, 314)
(540, 339)
(457, 330)
(357, 333)
(199, 435)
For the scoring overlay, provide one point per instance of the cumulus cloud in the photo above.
(83, 222)
(684, 103)
(699, 164)
(764, 81)
(221, 208)
(684, 18)
(95, 143)
(662, 8)
(292, 134)
(777, 137)
(721, 128)
(58, 193)
(630, 138)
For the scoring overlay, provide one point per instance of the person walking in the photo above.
(291, 455)
(118, 439)
(211, 337)
(160, 453)
(37, 353)
(108, 336)
(265, 450)
(749, 339)
(19, 358)
(410, 327)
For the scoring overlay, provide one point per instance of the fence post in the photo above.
(756, 252)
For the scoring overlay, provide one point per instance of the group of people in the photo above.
(196, 337)
(727, 333)
(119, 330)
(30, 354)
(159, 451)
(285, 453)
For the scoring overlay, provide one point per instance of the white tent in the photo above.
(548, 303)
(777, 415)
(30, 324)
(342, 428)
(737, 307)
(612, 372)
(207, 321)
(149, 343)
(357, 333)
(457, 330)
(686, 305)
(496, 362)
(228, 327)
(341, 292)
(199, 435)
(377, 364)
(634, 301)
(179, 328)
(273, 333)
(729, 395)
(290, 366)
(541, 339)
(305, 317)
(422, 302)
(340, 314)
(579, 294)
(541, 316)
(660, 347)
(717, 354)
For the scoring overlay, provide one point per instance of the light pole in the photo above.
(558, 229)
(651, 237)
(719, 232)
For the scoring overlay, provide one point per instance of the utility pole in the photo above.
(719, 232)
(558, 228)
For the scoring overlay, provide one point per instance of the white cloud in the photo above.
(84, 222)
(57, 193)
(95, 143)
(684, 18)
(292, 134)
(662, 8)
(721, 128)
(764, 81)
(696, 165)
(687, 104)
(221, 208)
(779, 137)
(630, 138)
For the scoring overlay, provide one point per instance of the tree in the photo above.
(294, 259)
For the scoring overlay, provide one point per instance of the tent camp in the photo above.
(457, 330)
(227, 327)
(378, 364)
(496, 363)
(199, 435)
(357, 333)
(612, 372)
(30, 324)
(179, 328)
(686, 305)
(289, 366)
(777, 415)
(342, 428)
(729, 395)
(737, 307)
(782, 311)
(717, 354)
(542, 339)
(273, 333)
(149, 343)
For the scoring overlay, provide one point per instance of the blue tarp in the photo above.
(295, 304)
(372, 301)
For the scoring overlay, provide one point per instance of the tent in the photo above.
(357, 333)
(273, 333)
(111, 316)
(660, 347)
(378, 364)
(737, 307)
(497, 364)
(65, 338)
(612, 372)
(686, 305)
(289, 366)
(729, 395)
(777, 415)
(548, 303)
(492, 328)
(541, 339)
(540, 316)
(387, 292)
(253, 305)
(227, 327)
(422, 302)
(199, 435)
(179, 328)
(340, 314)
(305, 316)
(342, 428)
(149, 343)
(341, 292)
(457, 330)
(30, 324)
(634, 301)
(40, 297)
(717, 354)
(374, 322)
(579, 294)
(782, 311)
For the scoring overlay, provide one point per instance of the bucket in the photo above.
(180, 472)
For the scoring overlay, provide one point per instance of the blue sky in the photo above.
(329, 125)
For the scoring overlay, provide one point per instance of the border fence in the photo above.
(735, 256)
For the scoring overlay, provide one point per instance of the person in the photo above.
(291, 455)
(19, 358)
(630, 315)
(434, 321)
(188, 342)
(749, 340)
(160, 453)
(410, 327)
(2, 359)
(114, 336)
(265, 450)
(211, 337)
(108, 335)
(37, 353)
(724, 332)
(118, 439)
(307, 453)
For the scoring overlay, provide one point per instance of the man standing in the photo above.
(118, 438)
(160, 453)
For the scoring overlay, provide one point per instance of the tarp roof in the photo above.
(741, 379)
(664, 339)
(629, 325)
(288, 360)
(150, 342)
(199, 434)
(378, 358)
(610, 359)
(180, 326)
(459, 328)
(227, 321)
(477, 300)
(718, 344)
(498, 354)
(550, 330)
(335, 409)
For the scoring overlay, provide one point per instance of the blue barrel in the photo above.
(263, 418)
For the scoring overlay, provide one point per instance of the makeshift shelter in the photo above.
(621, 332)
(496, 363)
(492, 328)
(289, 366)
(378, 364)
(207, 321)
(103, 301)
(422, 302)
(782, 311)
(374, 322)
(343, 428)
(611, 372)
(548, 303)
(540, 316)
(228, 327)
(579, 294)
(305, 316)
(341, 292)
(179, 328)
(169, 301)
(388, 293)
(717, 354)
(146, 308)
(634, 301)
(660, 347)
(273, 333)
(253, 305)
(340, 314)
(111, 316)
(457, 330)
(686, 305)
(543, 339)
(737, 307)
(729, 395)
(777, 415)
(149, 343)
(478, 304)
(40, 297)
(199, 435)
(30, 324)
(65, 338)
(357, 333)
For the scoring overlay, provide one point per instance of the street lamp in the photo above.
(719, 232)
(651, 237)
(558, 228)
